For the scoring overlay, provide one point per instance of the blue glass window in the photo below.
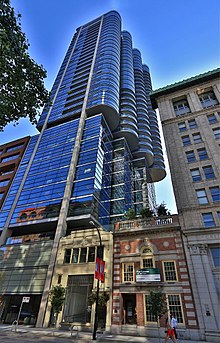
(15, 147)
(190, 155)
(201, 196)
(216, 132)
(195, 173)
(182, 126)
(10, 158)
(202, 154)
(186, 140)
(209, 173)
(4, 183)
(215, 193)
(208, 220)
(216, 256)
(192, 124)
(212, 118)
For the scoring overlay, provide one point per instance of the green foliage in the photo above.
(103, 298)
(57, 297)
(130, 214)
(22, 91)
(162, 210)
(145, 212)
(158, 304)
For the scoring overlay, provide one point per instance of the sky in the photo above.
(177, 39)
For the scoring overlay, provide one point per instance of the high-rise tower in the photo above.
(97, 150)
(103, 87)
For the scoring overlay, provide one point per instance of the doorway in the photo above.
(76, 308)
(129, 305)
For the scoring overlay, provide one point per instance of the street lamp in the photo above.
(97, 291)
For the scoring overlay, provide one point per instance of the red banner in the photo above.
(97, 268)
(102, 271)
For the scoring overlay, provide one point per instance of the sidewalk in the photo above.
(84, 337)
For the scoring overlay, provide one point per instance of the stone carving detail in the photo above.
(198, 249)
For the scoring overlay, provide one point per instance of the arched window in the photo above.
(147, 258)
(23, 216)
(33, 215)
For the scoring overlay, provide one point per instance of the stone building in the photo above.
(190, 115)
(74, 270)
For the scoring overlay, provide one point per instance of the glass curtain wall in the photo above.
(92, 185)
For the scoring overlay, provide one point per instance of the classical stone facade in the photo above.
(190, 115)
(75, 270)
(153, 245)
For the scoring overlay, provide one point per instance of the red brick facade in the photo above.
(161, 239)
(10, 157)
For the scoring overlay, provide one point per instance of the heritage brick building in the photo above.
(10, 158)
(151, 245)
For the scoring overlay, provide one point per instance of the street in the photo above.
(11, 337)
(40, 335)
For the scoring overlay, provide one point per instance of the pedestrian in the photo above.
(173, 323)
(170, 334)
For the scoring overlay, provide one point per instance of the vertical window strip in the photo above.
(148, 311)
(175, 306)
(170, 273)
(128, 272)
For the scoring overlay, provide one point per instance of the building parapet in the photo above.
(147, 222)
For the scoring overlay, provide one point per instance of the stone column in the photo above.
(204, 288)
(194, 102)
(216, 90)
(62, 225)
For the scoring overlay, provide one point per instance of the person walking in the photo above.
(170, 333)
(173, 323)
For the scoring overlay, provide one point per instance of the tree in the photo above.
(158, 305)
(145, 212)
(103, 298)
(57, 297)
(162, 210)
(130, 214)
(22, 91)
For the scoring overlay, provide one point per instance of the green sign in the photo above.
(148, 274)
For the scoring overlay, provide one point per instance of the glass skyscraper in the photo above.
(99, 143)
(97, 154)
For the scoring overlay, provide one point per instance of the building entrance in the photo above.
(11, 305)
(129, 305)
(76, 308)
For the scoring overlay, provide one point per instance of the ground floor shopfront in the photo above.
(13, 308)
(75, 271)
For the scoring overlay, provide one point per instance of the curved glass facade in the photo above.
(157, 169)
(145, 142)
(128, 111)
(68, 92)
(104, 89)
